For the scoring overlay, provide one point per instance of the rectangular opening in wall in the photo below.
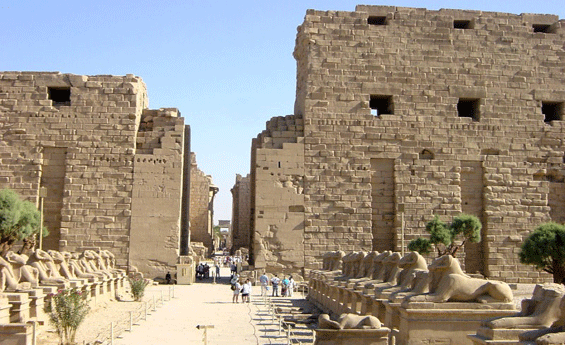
(376, 20)
(60, 96)
(469, 108)
(381, 104)
(552, 111)
(462, 24)
(546, 28)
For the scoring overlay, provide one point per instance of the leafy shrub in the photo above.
(444, 237)
(545, 249)
(138, 287)
(67, 310)
(19, 219)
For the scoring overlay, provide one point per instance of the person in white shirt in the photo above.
(291, 285)
(275, 282)
(246, 291)
(264, 280)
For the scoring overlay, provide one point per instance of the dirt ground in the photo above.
(175, 320)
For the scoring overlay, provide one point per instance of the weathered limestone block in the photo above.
(445, 322)
(16, 333)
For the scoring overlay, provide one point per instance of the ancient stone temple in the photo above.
(115, 174)
(404, 113)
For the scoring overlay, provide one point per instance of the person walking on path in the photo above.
(275, 282)
(264, 280)
(217, 270)
(246, 291)
(236, 289)
(291, 285)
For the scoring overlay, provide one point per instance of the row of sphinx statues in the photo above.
(20, 272)
(360, 283)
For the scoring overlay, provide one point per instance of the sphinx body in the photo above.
(449, 283)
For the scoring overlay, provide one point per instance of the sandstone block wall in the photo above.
(157, 192)
(409, 113)
(200, 217)
(241, 212)
(277, 179)
(81, 137)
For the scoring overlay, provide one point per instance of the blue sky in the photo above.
(226, 65)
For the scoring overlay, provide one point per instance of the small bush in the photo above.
(138, 288)
(67, 310)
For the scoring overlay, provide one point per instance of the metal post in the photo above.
(205, 328)
(130, 321)
(173, 291)
(280, 324)
(161, 297)
(154, 306)
(42, 195)
(111, 333)
(402, 234)
(145, 310)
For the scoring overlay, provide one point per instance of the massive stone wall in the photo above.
(87, 140)
(277, 203)
(200, 207)
(241, 212)
(410, 113)
(157, 192)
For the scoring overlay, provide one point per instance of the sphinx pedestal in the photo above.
(352, 336)
(16, 334)
(4, 309)
(445, 323)
(19, 306)
(486, 335)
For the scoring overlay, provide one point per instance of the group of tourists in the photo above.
(202, 271)
(238, 288)
(287, 285)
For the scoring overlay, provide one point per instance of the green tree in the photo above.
(545, 249)
(447, 239)
(19, 219)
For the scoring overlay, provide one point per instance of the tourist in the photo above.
(233, 268)
(217, 270)
(246, 291)
(168, 277)
(275, 282)
(234, 279)
(236, 289)
(284, 287)
(264, 280)
(291, 285)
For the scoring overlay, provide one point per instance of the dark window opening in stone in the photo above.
(468, 108)
(376, 20)
(60, 95)
(542, 28)
(552, 111)
(426, 154)
(381, 105)
(462, 24)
